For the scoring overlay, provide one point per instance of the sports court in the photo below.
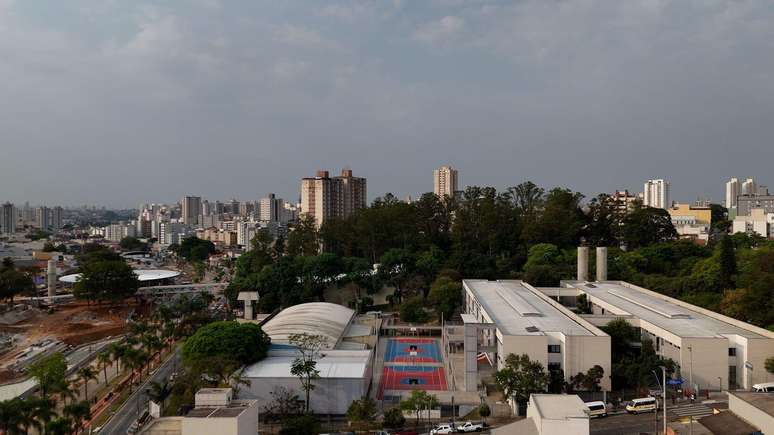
(412, 350)
(412, 378)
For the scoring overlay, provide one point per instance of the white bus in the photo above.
(597, 409)
(644, 404)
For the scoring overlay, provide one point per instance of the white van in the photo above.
(644, 404)
(597, 409)
(767, 387)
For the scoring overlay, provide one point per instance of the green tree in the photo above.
(304, 366)
(159, 392)
(396, 267)
(104, 359)
(394, 419)
(419, 401)
(304, 238)
(245, 343)
(727, 263)
(362, 412)
(445, 296)
(588, 381)
(770, 365)
(106, 281)
(484, 411)
(14, 282)
(11, 416)
(622, 338)
(644, 226)
(300, 425)
(76, 414)
(412, 310)
(521, 377)
(195, 249)
(132, 244)
(49, 372)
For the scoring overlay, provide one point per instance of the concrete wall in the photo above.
(709, 358)
(756, 352)
(580, 353)
(536, 346)
(209, 426)
(751, 414)
(330, 396)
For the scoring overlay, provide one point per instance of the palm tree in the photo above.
(10, 416)
(150, 342)
(66, 391)
(43, 412)
(86, 374)
(105, 359)
(76, 413)
(117, 351)
(60, 426)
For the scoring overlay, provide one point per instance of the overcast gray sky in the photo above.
(122, 102)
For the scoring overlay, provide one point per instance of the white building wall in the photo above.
(330, 396)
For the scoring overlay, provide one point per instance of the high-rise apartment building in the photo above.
(749, 187)
(324, 197)
(56, 218)
(7, 219)
(191, 208)
(732, 192)
(656, 194)
(445, 181)
(206, 208)
(622, 201)
(271, 209)
(43, 218)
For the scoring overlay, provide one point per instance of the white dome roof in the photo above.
(315, 318)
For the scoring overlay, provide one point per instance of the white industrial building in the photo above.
(512, 317)
(712, 350)
(346, 364)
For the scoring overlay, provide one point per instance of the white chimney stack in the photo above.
(583, 263)
(601, 263)
(51, 280)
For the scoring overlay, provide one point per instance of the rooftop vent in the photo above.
(532, 329)
(591, 286)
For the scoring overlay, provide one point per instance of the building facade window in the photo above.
(554, 366)
(731, 351)
(554, 348)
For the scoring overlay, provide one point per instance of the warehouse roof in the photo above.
(517, 310)
(316, 318)
(660, 310)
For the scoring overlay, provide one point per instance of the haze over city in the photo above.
(119, 103)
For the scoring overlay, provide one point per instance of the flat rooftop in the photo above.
(559, 406)
(762, 401)
(660, 311)
(335, 364)
(517, 310)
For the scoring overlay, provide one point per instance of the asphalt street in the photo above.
(127, 414)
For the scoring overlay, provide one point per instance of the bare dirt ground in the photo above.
(73, 323)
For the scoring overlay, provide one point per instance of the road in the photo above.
(625, 424)
(75, 360)
(127, 414)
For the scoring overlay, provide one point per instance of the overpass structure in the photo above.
(168, 290)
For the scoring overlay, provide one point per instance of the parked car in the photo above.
(470, 427)
(442, 429)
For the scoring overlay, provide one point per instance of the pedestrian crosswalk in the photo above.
(697, 410)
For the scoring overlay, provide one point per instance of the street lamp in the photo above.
(720, 384)
(663, 395)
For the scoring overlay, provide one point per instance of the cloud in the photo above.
(441, 31)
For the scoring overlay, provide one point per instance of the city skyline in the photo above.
(218, 98)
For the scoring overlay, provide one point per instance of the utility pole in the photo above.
(690, 374)
(663, 395)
